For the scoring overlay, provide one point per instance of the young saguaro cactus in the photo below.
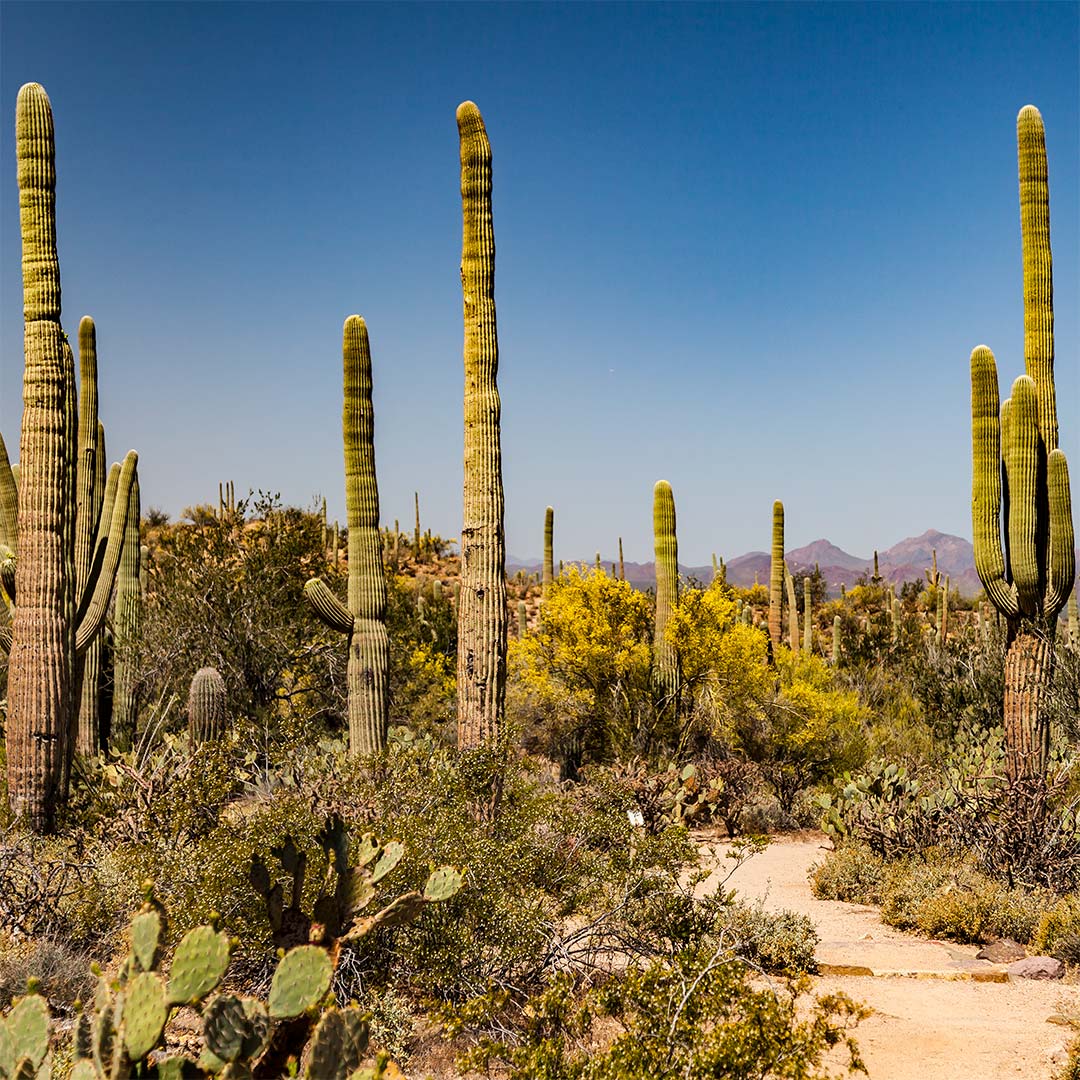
(364, 619)
(127, 622)
(1020, 480)
(549, 552)
(776, 576)
(206, 706)
(666, 546)
(808, 621)
(482, 617)
(793, 610)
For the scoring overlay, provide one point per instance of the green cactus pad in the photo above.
(339, 1044)
(25, 1033)
(301, 980)
(443, 883)
(236, 1029)
(369, 849)
(390, 857)
(145, 1013)
(145, 937)
(198, 964)
(171, 1068)
(359, 890)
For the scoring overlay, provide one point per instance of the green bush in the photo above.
(852, 873)
(695, 1015)
(779, 942)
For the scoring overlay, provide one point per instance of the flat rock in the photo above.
(1037, 967)
(1004, 951)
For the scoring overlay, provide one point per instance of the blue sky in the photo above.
(747, 248)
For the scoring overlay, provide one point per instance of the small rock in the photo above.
(1037, 967)
(1004, 951)
(868, 937)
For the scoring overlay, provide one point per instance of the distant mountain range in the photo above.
(906, 561)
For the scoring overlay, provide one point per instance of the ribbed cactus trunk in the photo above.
(666, 547)
(793, 611)
(482, 618)
(776, 577)
(364, 620)
(206, 706)
(523, 619)
(808, 622)
(549, 552)
(1028, 582)
(128, 624)
(90, 478)
(1074, 620)
(836, 640)
(40, 665)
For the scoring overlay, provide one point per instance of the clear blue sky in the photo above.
(747, 248)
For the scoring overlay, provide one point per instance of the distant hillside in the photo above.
(904, 561)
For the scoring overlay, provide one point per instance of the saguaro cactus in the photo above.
(793, 610)
(622, 564)
(206, 706)
(128, 622)
(1028, 582)
(482, 619)
(776, 576)
(808, 622)
(836, 640)
(363, 620)
(549, 552)
(523, 619)
(666, 547)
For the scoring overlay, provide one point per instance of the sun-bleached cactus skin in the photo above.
(1020, 472)
(206, 706)
(666, 547)
(128, 623)
(549, 552)
(40, 665)
(482, 616)
(364, 618)
(776, 576)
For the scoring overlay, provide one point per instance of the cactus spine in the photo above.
(666, 546)
(549, 552)
(363, 620)
(808, 625)
(128, 623)
(1029, 580)
(206, 706)
(776, 576)
(481, 666)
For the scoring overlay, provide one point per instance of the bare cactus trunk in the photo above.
(1029, 667)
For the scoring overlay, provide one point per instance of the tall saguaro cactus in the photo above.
(666, 546)
(776, 576)
(364, 619)
(482, 618)
(40, 667)
(549, 552)
(1019, 472)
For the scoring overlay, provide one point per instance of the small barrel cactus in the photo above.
(206, 706)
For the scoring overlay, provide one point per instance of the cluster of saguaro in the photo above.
(226, 495)
(1019, 470)
(482, 615)
(364, 619)
(666, 547)
(776, 576)
(55, 615)
(206, 706)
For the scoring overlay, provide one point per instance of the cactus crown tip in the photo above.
(1029, 112)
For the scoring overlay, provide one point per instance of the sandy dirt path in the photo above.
(933, 1018)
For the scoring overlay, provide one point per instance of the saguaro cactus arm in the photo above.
(328, 607)
(9, 502)
(110, 546)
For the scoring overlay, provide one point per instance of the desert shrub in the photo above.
(779, 942)
(62, 973)
(1058, 930)
(853, 873)
(579, 686)
(805, 732)
(695, 1015)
